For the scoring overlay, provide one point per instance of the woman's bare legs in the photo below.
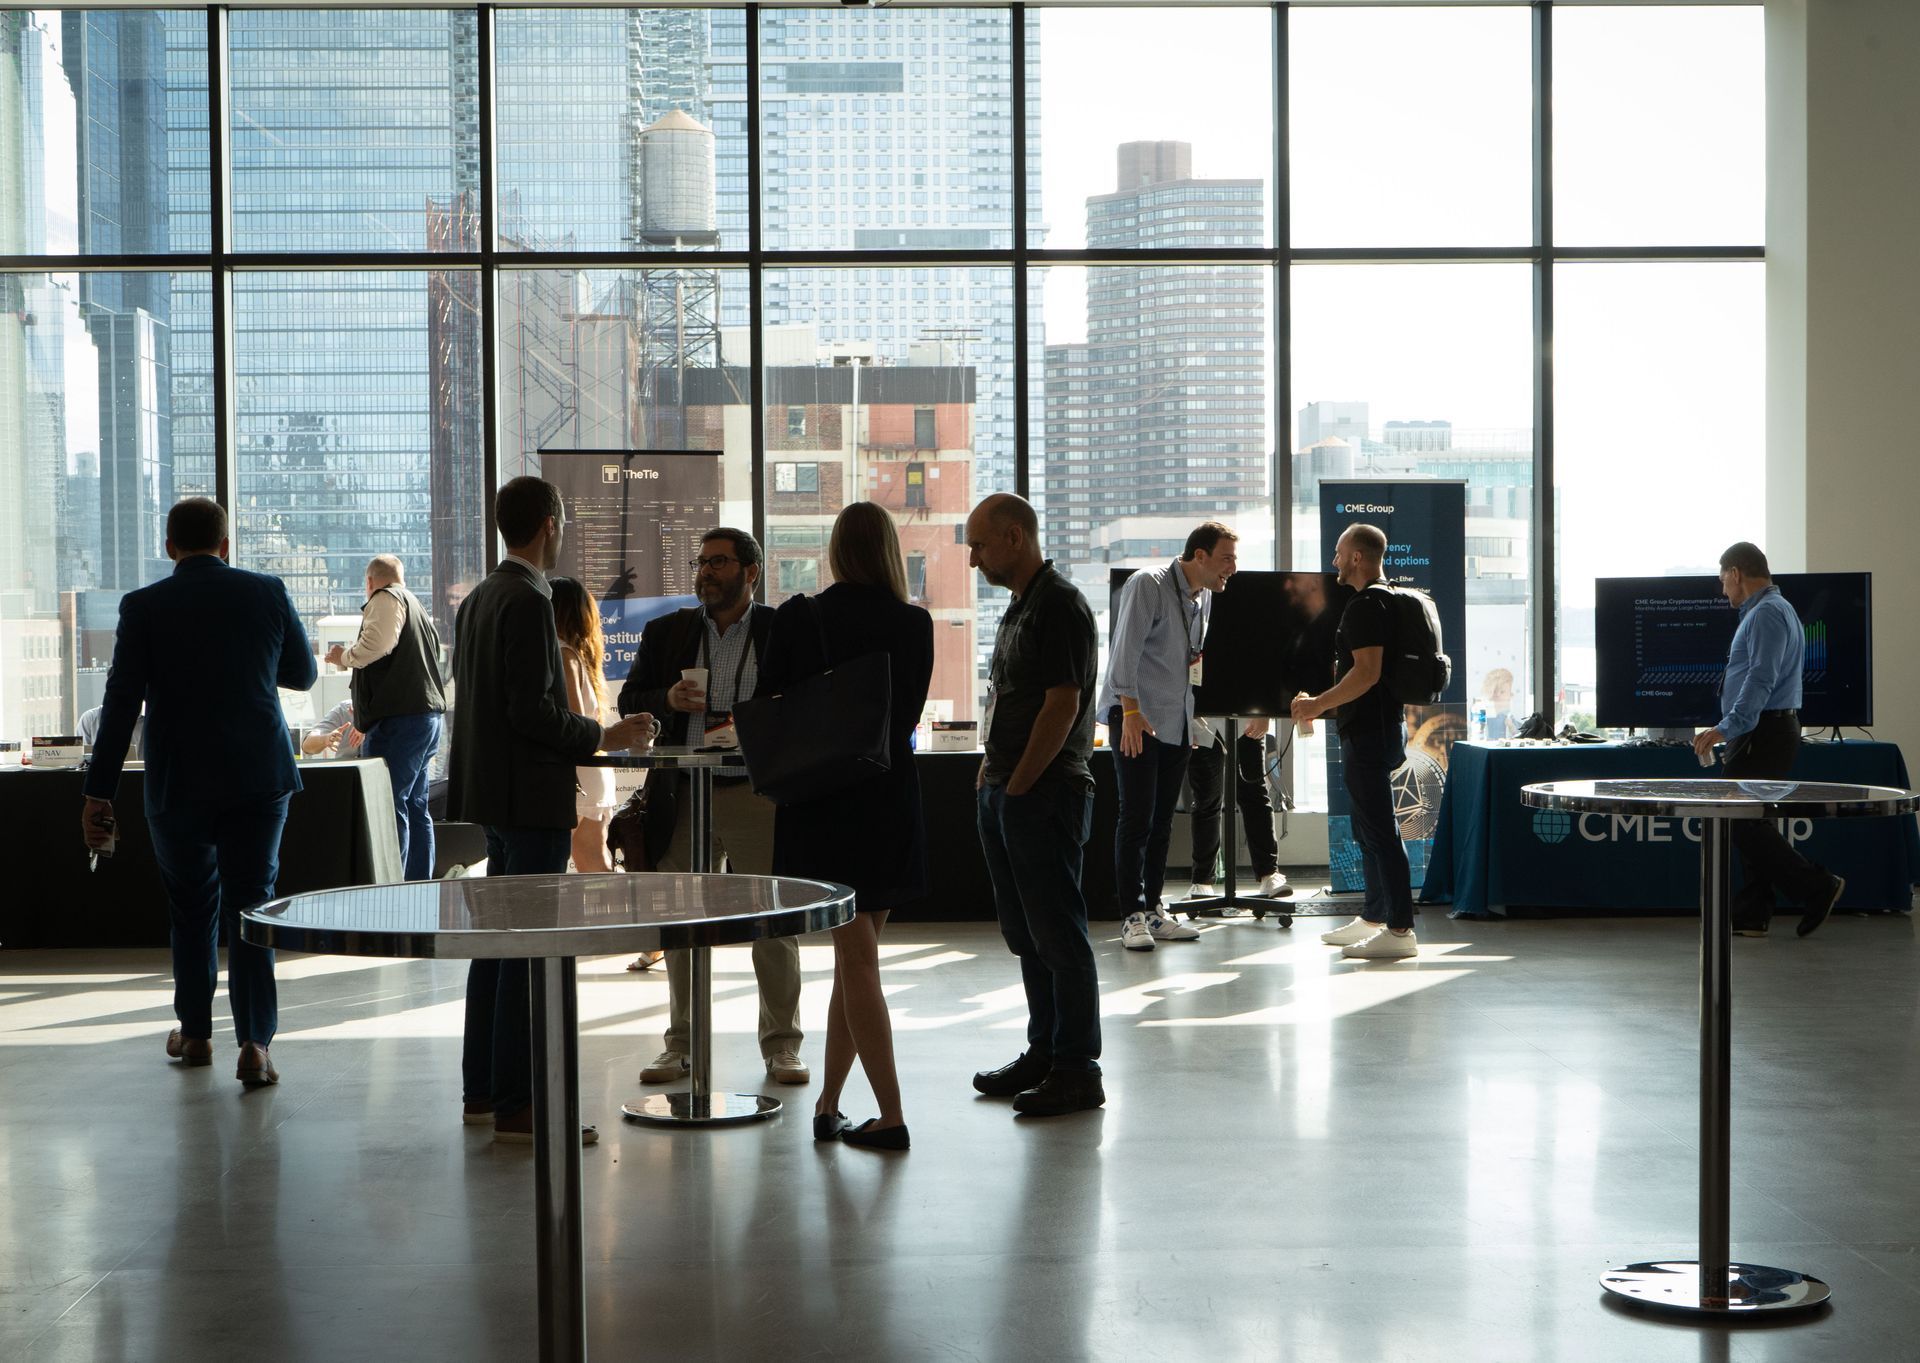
(590, 852)
(857, 1022)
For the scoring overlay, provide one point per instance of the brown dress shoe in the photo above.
(256, 1066)
(189, 1050)
(516, 1128)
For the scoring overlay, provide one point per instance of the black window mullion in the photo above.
(220, 283)
(1545, 587)
(488, 291)
(756, 295)
(1282, 267)
(1022, 378)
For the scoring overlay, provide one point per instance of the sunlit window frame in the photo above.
(1542, 253)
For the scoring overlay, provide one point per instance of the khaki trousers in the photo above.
(743, 835)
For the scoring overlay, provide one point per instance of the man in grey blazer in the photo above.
(511, 770)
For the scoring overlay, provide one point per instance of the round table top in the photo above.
(1710, 798)
(507, 917)
(675, 756)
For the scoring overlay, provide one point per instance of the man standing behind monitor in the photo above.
(1372, 745)
(1760, 724)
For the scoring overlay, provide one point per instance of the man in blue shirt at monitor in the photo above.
(1760, 724)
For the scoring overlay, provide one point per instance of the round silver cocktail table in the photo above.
(699, 1105)
(1711, 1285)
(550, 920)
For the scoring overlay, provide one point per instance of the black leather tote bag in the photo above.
(823, 733)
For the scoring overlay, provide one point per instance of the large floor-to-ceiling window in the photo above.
(1149, 265)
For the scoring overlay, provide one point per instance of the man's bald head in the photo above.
(1003, 540)
(384, 570)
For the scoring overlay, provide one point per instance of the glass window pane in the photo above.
(357, 425)
(1187, 166)
(627, 360)
(1411, 127)
(908, 404)
(1660, 414)
(355, 130)
(98, 375)
(886, 129)
(106, 111)
(1425, 371)
(621, 129)
(1659, 125)
(1155, 383)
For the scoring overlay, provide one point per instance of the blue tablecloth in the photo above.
(1490, 851)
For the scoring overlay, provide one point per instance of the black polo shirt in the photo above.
(1046, 639)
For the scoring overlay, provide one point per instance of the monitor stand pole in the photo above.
(1229, 811)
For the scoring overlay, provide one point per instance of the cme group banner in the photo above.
(1425, 522)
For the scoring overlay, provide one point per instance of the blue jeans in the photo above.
(407, 743)
(1368, 758)
(496, 1056)
(1149, 787)
(1034, 844)
(215, 863)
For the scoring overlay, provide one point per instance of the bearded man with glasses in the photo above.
(726, 636)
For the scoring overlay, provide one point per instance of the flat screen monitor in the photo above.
(1661, 645)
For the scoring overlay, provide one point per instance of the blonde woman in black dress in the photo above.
(871, 836)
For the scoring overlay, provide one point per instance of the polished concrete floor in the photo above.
(1301, 1158)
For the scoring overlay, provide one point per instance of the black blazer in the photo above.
(515, 742)
(873, 835)
(668, 644)
(205, 648)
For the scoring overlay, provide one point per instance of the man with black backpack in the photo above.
(1372, 744)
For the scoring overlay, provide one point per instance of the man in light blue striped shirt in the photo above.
(1760, 724)
(1147, 706)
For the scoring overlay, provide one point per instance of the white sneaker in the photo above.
(1383, 946)
(1134, 935)
(1201, 890)
(1271, 885)
(1352, 931)
(666, 1067)
(1165, 929)
(786, 1067)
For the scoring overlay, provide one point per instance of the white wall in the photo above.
(1843, 299)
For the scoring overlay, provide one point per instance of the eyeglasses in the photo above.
(717, 561)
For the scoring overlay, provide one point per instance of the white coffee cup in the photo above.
(696, 677)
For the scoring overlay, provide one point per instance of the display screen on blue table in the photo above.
(1662, 649)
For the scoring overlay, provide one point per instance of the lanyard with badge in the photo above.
(715, 721)
(1196, 627)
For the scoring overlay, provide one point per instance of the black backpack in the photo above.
(1416, 671)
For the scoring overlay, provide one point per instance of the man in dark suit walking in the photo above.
(205, 650)
(511, 770)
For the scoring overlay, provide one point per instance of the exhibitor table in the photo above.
(550, 920)
(1491, 852)
(1712, 1285)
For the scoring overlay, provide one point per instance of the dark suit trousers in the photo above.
(1369, 755)
(215, 863)
(496, 1057)
(1206, 781)
(1770, 864)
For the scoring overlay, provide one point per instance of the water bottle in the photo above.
(1479, 724)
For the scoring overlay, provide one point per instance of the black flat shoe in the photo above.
(867, 1137)
(827, 1126)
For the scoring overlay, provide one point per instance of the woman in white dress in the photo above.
(576, 620)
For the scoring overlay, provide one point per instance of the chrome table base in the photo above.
(1751, 1289)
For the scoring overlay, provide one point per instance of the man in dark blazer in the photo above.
(205, 650)
(727, 635)
(511, 770)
